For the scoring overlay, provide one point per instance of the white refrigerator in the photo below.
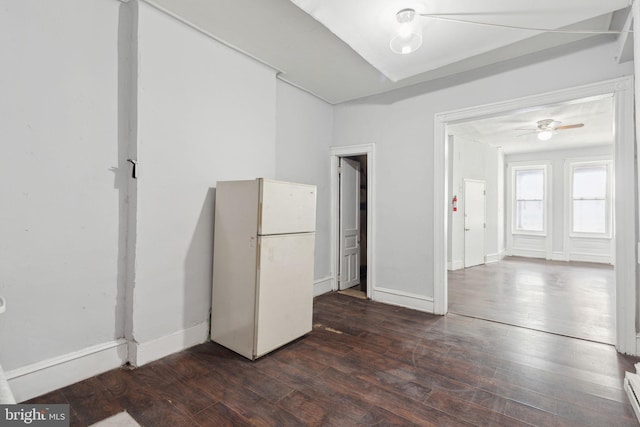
(264, 238)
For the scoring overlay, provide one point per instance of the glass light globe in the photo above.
(545, 135)
(408, 36)
(405, 45)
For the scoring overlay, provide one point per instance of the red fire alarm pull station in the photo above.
(454, 203)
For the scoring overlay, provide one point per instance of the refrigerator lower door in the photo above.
(285, 290)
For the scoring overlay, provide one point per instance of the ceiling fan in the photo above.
(548, 127)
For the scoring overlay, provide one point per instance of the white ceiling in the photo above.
(350, 57)
(595, 113)
(368, 25)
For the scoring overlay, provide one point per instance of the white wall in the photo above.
(59, 221)
(85, 86)
(495, 217)
(401, 125)
(205, 113)
(303, 134)
(500, 225)
(597, 250)
(479, 161)
(63, 191)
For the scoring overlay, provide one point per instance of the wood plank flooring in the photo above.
(367, 363)
(569, 298)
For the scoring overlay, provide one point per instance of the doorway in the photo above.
(352, 220)
(352, 275)
(625, 194)
(574, 299)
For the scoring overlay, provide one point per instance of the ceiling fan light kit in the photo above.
(408, 35)
(546, 128)
(545, 135)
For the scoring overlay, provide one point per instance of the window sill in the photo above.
(529, 233)
(590, 236)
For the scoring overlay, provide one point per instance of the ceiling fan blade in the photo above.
(528, 133)
(577, 125)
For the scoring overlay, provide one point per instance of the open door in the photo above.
(349, 223)
(474, 222)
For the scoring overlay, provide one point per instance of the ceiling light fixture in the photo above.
(545, 135)
(408, 36)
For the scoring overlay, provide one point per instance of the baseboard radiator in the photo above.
(632, 387)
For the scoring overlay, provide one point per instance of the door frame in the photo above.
(347, 151)
(622, 91)
(464, 204)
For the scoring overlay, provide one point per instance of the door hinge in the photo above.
(339, 170)
(484, 192)
(339, 278)
(484, 225)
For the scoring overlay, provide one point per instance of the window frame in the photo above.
(572, 164)
(545, 199)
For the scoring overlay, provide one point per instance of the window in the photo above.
(529, 212)
(590, 198)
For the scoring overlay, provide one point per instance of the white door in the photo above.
(349, 223)
(474, 222)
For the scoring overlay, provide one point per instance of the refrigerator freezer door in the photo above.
(287, 208)
(285, 291)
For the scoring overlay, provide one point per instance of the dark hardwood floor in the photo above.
(367, 363)
(569, 298)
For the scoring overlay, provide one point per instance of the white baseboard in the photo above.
(529, 253)
(403, 299)
(141, 353)
(6, 396)
(585, 257)
(455, 265)
(634, 351)
(491, 258)
(632, 388)
(42, 377)
(322, 286)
